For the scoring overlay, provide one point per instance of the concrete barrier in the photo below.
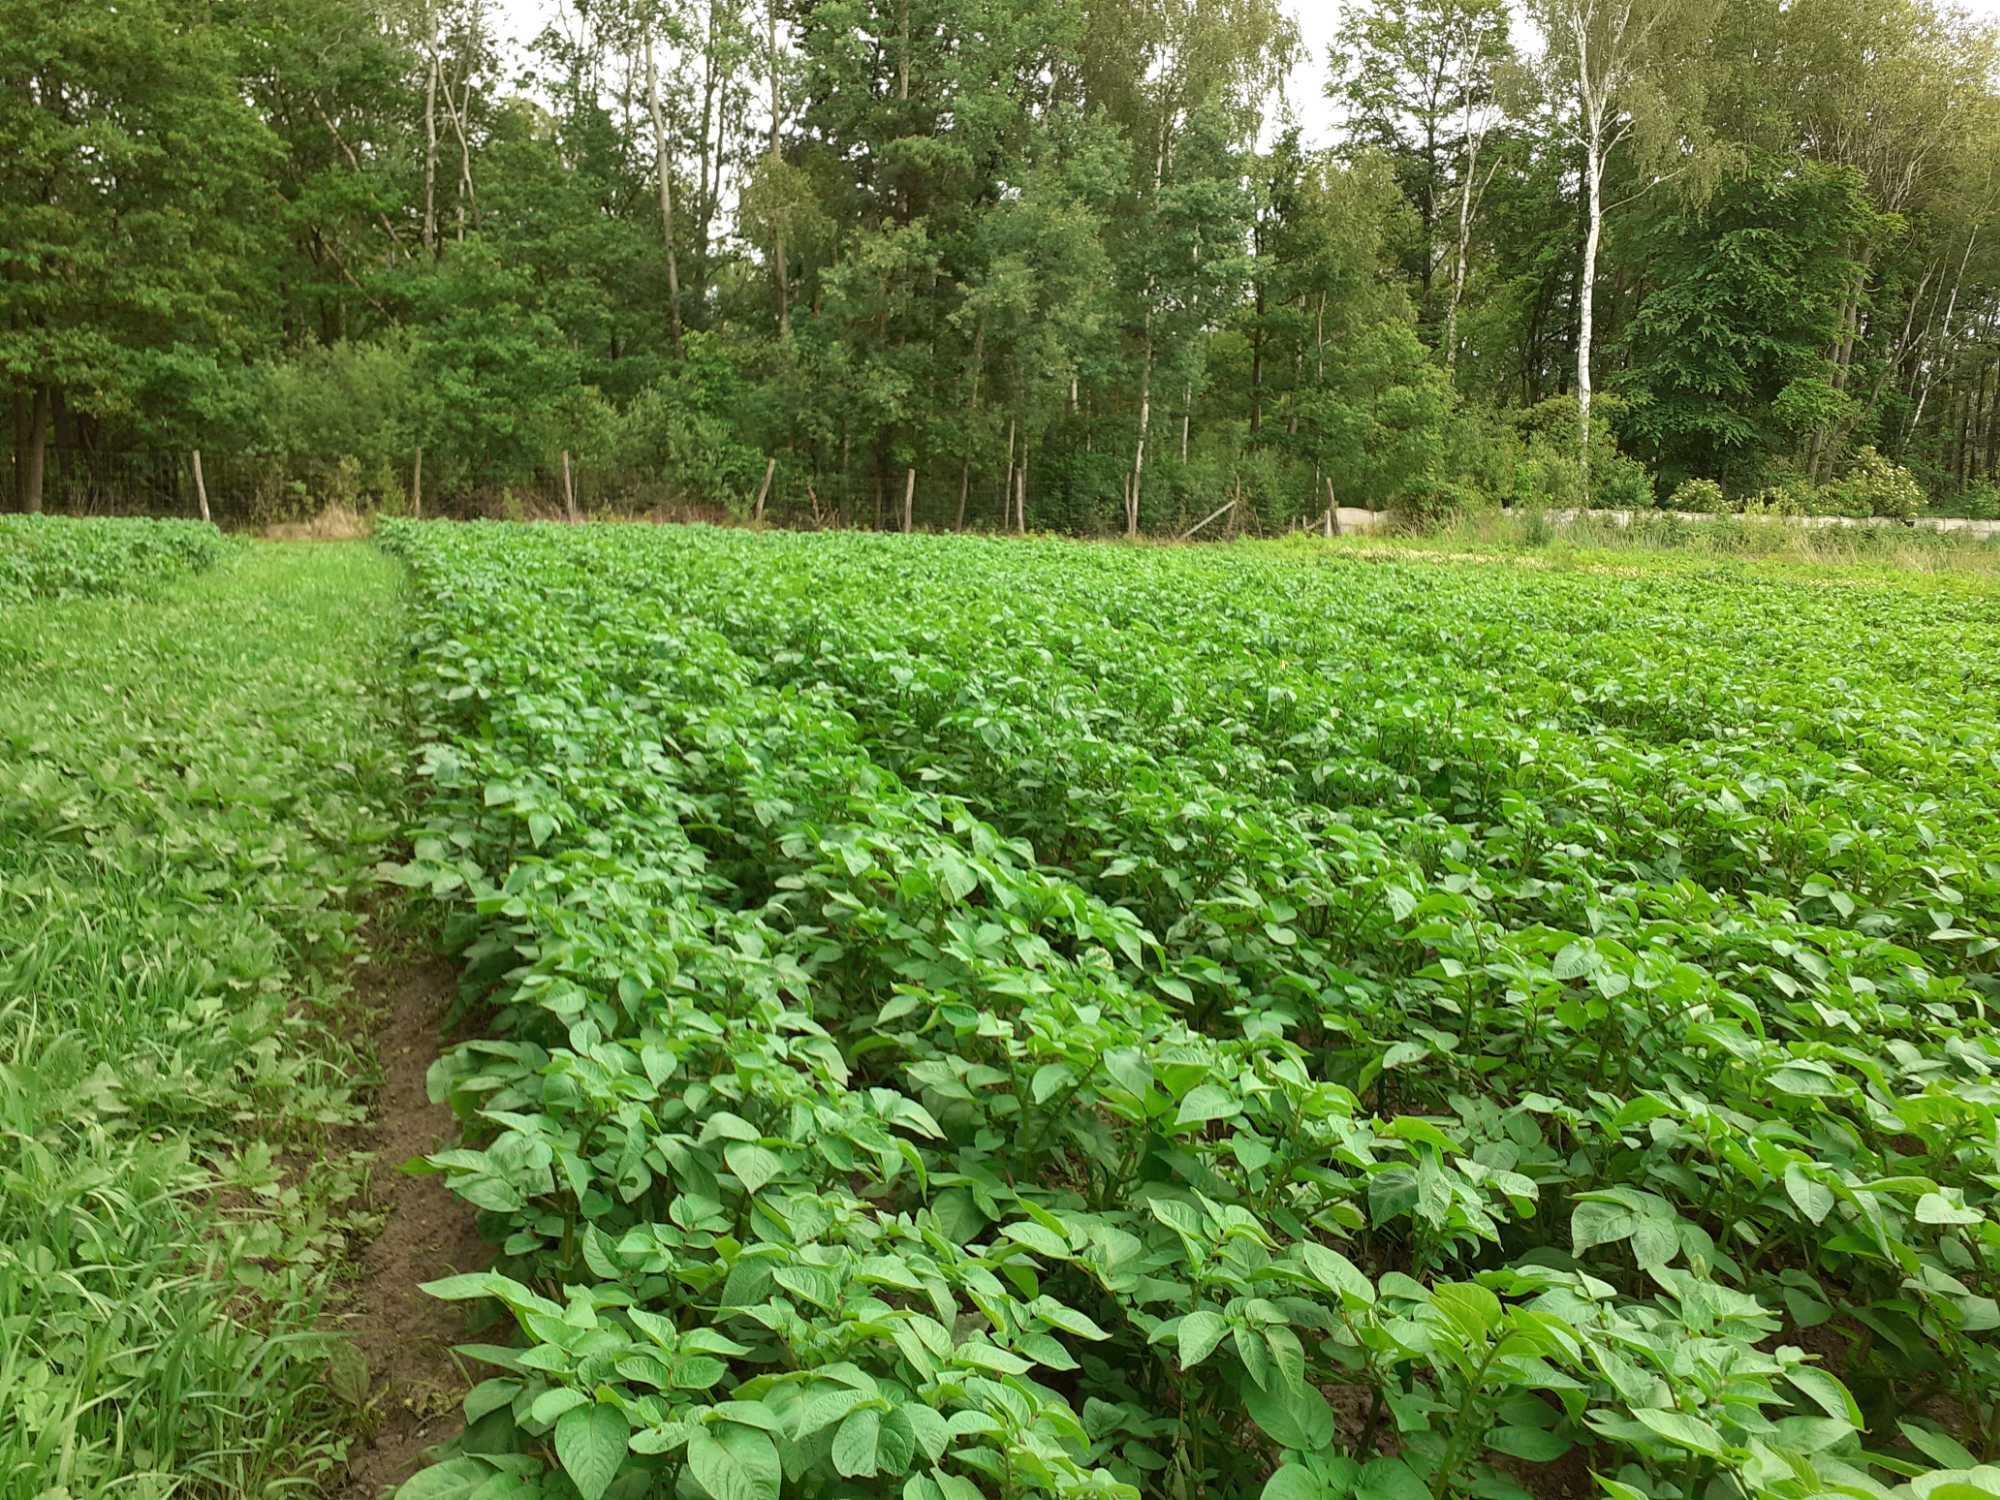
(1354, 522)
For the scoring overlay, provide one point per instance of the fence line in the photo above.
(945, 495)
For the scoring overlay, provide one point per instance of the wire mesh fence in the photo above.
(1079, 496)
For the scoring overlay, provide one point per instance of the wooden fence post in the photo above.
(417, 487)
(200, 486)
(764, 490)
(1212, 516)
(569, 491)
(910, 503)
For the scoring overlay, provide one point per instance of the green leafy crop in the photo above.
(57, 557)
(1022, 1019)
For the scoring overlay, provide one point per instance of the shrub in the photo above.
(1701, 497)
(1979, 501)
(1877, 486)
(1439, 502)
(1789, 497)
(1622, 483)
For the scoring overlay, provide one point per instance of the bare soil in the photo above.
(414, 1382)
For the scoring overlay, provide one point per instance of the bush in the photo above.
(1876, 486)
(1437, 503)
(1789, 497)
(1701, 497)
(1622, 483)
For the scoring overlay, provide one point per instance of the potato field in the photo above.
(945, 1018)
(1002, 1019)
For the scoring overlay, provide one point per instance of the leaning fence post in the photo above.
(417, 487)
(569, 491)
(200, 488)
(764, 490)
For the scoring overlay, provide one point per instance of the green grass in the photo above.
(192, 789)
(1661, 539)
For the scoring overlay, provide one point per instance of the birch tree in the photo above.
(1417, 80)
(1630, 72)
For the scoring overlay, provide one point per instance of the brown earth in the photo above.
(414, 1382)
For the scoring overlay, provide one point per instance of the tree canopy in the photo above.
(1069, 264)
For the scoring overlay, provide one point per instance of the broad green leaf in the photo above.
(1594, 1224)
(1208, 1102)
(855, 1444)
(1683, 1431)
(1294, 1482)
(753, 1165)
(1197, 1336)
(1813, 1199)
(1389, 1479)
(1292, 1416)
(732, 1462)
(590, 1445)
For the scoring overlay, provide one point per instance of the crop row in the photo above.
(51, 557)
(1025, 1020)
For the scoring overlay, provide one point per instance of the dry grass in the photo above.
(336, 523)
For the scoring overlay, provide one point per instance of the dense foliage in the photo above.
(55, 557)
(1051, 264)
(191, 786)
(1014, 1019)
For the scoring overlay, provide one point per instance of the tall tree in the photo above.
(136, 270)
(1417, 80)
(1628, 71)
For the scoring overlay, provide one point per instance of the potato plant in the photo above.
(1017, 1019)
(45, 557)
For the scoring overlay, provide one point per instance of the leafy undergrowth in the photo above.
(190, 790)
(1026, 1019)
(56, 557)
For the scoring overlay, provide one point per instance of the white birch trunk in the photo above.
(666, 176)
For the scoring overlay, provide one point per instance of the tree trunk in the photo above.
(1007, 486)
(1585, 307)
(200, 486)
(1132, 495)
(31, 449)
(1257, 367)
(778, 229)
(1458, 265)
(1319, 342)
(569, 491)
(666, 175)
(431, 155)
(417, 487)
(466, 199)
(704, 211)
(903, 58)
